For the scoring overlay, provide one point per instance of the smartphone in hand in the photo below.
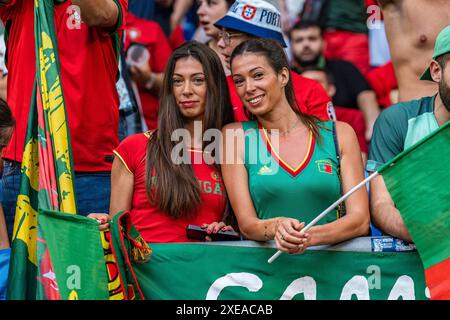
(198, 233)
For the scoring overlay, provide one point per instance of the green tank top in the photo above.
(279, 190)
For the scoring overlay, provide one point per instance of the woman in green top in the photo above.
(281, 169)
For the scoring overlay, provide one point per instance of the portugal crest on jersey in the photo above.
(248, 12)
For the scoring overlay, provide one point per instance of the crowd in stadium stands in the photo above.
(316, 94)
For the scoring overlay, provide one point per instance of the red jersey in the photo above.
(176, 39)
(382, 80)
(311, 97)
(149, 34)
(355, 119)
(88, 75)
(153, 224)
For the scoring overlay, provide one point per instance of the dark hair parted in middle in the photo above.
(175, 187)
(274, 54)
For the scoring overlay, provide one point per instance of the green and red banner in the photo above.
(219, 271)
(419, 183)
(47, 170)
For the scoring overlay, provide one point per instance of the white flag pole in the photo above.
(330, 208)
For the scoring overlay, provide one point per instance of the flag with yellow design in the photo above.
(47, 169)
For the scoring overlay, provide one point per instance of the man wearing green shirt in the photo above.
(404, 124)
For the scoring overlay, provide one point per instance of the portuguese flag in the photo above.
(47, 169)
(418, 180)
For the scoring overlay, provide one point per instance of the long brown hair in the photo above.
(175, 188)
(7, 122)
(277, 59)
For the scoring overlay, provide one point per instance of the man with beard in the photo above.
(352, 89)
(401, 126)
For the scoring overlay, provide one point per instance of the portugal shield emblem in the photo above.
(248, 12)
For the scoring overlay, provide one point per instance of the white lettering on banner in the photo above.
(358, 286)
(305, 285)
(403, 287)
(247, 280)
(74, 280)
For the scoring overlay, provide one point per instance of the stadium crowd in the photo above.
(309, 97)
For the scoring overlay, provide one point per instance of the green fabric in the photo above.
(399, 127)
(198, 272)
(76, 252)
(419, 183)
(221, 271)
(275, 192)
(347, 15)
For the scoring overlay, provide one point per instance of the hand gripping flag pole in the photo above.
(330, 208)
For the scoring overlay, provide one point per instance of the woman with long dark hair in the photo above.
(290, 166)
(166, 183)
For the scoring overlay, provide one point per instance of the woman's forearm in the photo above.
(340, 230)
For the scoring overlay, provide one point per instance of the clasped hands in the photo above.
(289, 237)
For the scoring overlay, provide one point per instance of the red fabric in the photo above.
(88, 75)
(371, 3)
(149, 34)
(311, 97)
(155, 226)
(356, 120)
(349, 46)
(383, 81)
(176, 39)
(438, 280)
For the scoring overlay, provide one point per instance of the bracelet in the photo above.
(151, 82)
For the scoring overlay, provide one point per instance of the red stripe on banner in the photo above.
(438, 280)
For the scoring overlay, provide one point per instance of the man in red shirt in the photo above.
(88, 36)
(149, 76)
(258, 18)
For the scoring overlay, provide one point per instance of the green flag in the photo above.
(47, 170)
(418, 180)
(75, 246)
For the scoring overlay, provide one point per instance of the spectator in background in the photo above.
(209, 11)
(148, 74)
(88, 61)
(353, 117)
(346, 32)
(411, 28)
(401, 126)
(352, 89)
(260, 19)
(384, 83)
(169, 15)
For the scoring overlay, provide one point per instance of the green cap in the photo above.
(442, 47)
